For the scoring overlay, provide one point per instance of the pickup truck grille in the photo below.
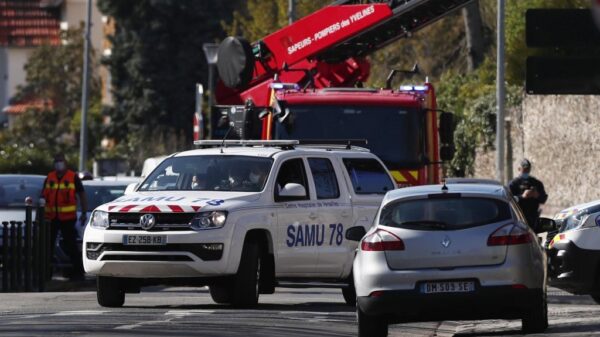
(164, 221)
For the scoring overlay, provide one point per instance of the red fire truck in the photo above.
(305, 81)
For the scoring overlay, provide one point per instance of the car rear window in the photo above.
(444, 213)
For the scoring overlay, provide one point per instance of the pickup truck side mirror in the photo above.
(355, 233)
(546, 225)
(131, 188)
(292, 190)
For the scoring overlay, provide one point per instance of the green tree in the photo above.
(53, 75)
(255, 19)
(156, 60)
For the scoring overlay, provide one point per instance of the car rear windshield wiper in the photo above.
(425, 223)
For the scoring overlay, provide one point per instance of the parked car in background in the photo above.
(461, 251)
(574, 252)
(14, 188)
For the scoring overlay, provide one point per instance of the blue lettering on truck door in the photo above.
(314, 235)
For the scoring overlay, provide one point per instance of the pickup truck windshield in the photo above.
(209, 173)
(394, 134)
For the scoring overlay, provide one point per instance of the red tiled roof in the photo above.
(26, 23)
(18, 108)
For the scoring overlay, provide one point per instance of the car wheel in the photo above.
(349, 292)
(246, 286)
(220, 293)
(536, 318)
(370, 326)
(110, 292)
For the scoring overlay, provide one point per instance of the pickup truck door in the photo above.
(295, 254)
(335, 216)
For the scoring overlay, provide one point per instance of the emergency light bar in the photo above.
(246, 142)
(284, 86)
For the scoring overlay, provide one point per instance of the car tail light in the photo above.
(510, 234)
(381, 240)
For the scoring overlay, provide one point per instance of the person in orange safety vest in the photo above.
(61, 189)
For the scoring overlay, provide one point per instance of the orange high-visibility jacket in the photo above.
(60, 198)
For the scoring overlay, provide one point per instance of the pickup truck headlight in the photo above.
(209, 220)
(99, 219)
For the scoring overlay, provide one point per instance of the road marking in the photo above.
(80, 313)
(140, 324)
(183, 313)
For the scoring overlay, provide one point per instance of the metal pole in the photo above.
(211, 85)
(28, 226)
(85, 91)
(500, 93)
(19, 256)
(5, 256)
(291, 11)
(13, 256)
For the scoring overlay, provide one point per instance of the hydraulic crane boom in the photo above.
(327, 47)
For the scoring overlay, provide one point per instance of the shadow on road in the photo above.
(571, 329)
(302, 307)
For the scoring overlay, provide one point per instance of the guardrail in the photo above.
(26, 252)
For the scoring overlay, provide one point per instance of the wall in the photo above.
(561, 137)
(74, 12)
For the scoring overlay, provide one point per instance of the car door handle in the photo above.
(313, 216)
(345, 214)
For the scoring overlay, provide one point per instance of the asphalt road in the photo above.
(289, 312)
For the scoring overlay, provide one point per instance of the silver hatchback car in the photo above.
(455, 252)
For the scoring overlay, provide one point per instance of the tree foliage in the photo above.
(53, 75)
(156, 60)
(255, 19)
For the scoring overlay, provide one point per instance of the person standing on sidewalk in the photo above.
(529, 192)
(61, 189)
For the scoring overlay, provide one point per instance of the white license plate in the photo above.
(144, 240)
(448, 287)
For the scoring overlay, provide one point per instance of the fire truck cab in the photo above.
(305, 82)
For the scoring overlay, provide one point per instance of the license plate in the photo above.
(144, 240)
(448, 287)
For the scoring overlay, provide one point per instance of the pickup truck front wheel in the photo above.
(110, 292)
(220, 293)
(245, 286)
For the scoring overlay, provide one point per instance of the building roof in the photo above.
(29, 23)
(20, 107)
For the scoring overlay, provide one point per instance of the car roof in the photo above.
(108, 182)
(472, 181)
(270, 151)
(17, 176)
(493, 190)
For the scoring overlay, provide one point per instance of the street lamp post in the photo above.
(84, 91)
(500, 95)
(211, 53)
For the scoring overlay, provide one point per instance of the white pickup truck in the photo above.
(239, 219)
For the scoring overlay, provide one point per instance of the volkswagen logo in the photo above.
(446, 242)
(147, 221)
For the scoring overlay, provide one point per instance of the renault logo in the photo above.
(147, 221)
(446, 242)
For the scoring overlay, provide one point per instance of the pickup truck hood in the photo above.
(178, 201)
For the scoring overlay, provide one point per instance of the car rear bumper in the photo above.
(574, 269)
(498, 302)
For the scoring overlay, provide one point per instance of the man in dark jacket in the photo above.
(529, 192)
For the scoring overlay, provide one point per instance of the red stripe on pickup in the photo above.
(127, 208)
(175, 208)
(150, 208)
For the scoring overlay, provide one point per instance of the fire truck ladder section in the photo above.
(407, 16)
